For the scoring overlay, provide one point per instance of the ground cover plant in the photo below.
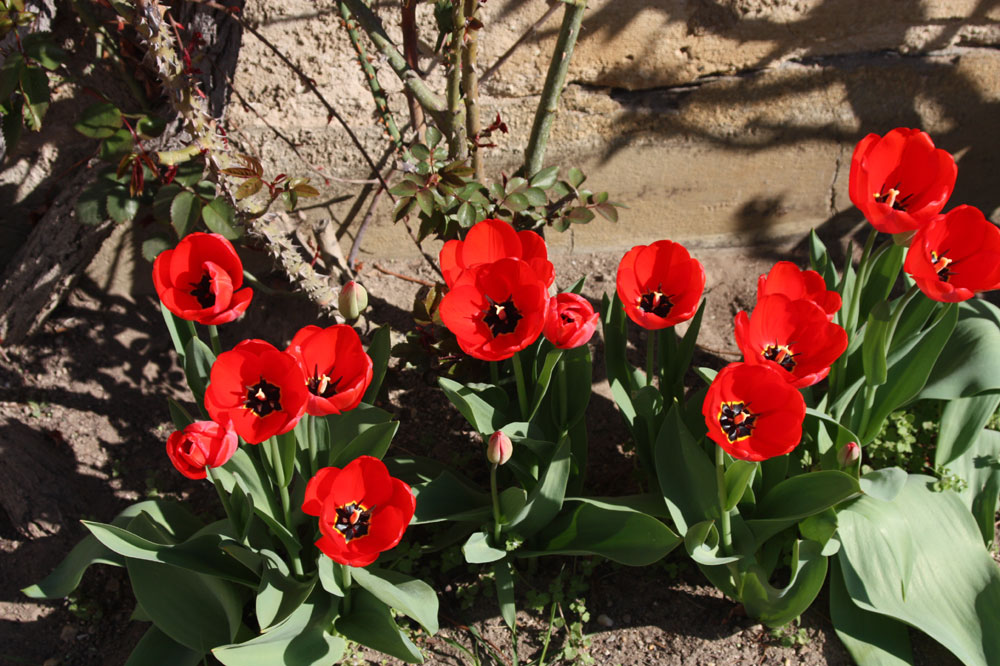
(757, 470)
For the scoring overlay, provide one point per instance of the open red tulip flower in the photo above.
(495, 310)
(262, 390)
(570, 321)
(660, 284)
(490, 240)
(202, 280)
(362, 510)
(793, 337)
(200, 445)
(900, 181)
(753, 413)
(788, 279)
(955, 256)
(336, 367)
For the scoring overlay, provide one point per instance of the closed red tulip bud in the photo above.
(849, 454)
(353, 300)
(499, 449)
(570, 321)
(200, 445)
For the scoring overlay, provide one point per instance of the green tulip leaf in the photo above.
(962, 419)
(478, 549)
(155, 647)
(686, 475)
(546, 498)
(378, 350)
(372, 442)
(800, 497)
(198, 360)
(503, 573)
(370, 623)
(920, 559)
(979, 466)
(411, 597)
(482, 405)
(872, 639)
(884, 484)
(449, 498)
(329, 575)
(776, 607)
(544, 377)
(279, 596)
(969, 363)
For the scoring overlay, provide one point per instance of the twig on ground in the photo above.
(382, 269)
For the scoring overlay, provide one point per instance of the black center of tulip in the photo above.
(567, 319)
(891, 196)
(941, 263)
(352, 521)
(655, 303)
(321, 384)
(203, 291)
(263, 398)
(780, 354)
(502, 317)
(736, 420)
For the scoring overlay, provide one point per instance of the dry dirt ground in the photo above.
(83, 421)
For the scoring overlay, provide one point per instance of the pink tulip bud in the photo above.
(499, 448)
(849, 454)
(353, 300)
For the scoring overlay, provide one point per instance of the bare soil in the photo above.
(83, 422)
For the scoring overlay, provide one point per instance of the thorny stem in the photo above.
(371, 24)
(409, 26)
(454, 129)
(554, 82)
(470, 85)
(378, 94)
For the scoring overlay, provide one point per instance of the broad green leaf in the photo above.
(120, 205)
(686, 475)
(952, 592)
(615, 532)
(884, 484)
(738, 475)
(578, 370)
(411, 597)
(201, 554)
(303, 639)
(346, 427)
(449, 498)
(545, 178)
(372, 442)
(242, 466)
(152, 247)
(969, 364)
(155, 647)
(979, 466)
(378, 350)
(35, 88)
(99, 121)
(478, 549)
(482, 408)
(800, 497)
(544, 378)
(220, 218)
(185, 211)
(702, 544)
(279, 596)
(197, 611)
(370, 623)
(884, 272)
(872, 639)
(503, 573)
(545, 499)
(876, 344)
(962, 419)
(776, 607)
(329, 575)
(908, 373)
(198, 360)
(116, 146)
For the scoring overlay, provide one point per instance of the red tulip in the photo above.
(900, 181)
(570, 321)
(753, 413)
(200, 280)
(336, 367)
(491, 240)
(495, 310)
(262, 390)
(362, 510)
(786, 278)
(793, 337)
(660, 284)
(955, 256)
(201, 444)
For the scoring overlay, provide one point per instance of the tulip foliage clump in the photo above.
(756, 470)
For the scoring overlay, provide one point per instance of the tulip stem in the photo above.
(522, 394)
(345, 584)
(563, 397)
(496, 505)
(213, 335)
(650, 356)
(725, 528)
(223, 497)
(494, 372)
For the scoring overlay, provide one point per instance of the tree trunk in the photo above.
(60, 248)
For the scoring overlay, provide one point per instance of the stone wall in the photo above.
(718, 122)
